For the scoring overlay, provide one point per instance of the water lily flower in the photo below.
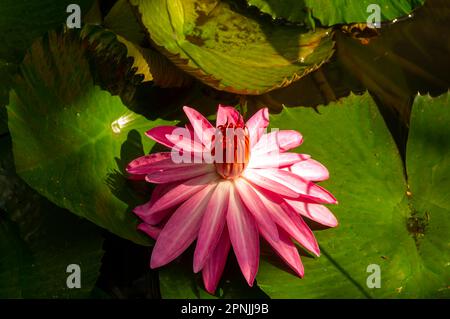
(225, 186)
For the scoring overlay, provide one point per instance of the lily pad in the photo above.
(398, 222)
(72, 140)
(232, 50)
(331, 12)
(39, 240)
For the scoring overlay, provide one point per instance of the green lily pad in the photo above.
(428, 169)
(230, 50)
(404, 231)
(72, 140)
(22, 21)
(331, 12)
(39, 240)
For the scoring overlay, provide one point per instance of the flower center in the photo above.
(231, 150)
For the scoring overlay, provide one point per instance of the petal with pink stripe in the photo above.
(257, 209)
(244, 237)
(182, 192)
(310, 170)
(277, 141)
(228, 115)
(212, 226)
(277, 160)
(286, 249)
(314, 211)
(214, 266)
(179, 173)
(301, 186)
(257, 125)
(181, 229)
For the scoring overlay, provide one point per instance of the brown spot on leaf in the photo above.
(194, 39)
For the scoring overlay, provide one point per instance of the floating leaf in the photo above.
(39, 240)
(230, 50)
(403, 231)
(72, 140)
(331, 12)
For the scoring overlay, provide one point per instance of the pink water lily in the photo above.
(227, 191)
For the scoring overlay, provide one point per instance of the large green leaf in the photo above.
(380, 223)
(72, 140)
(38, 241)
(331, 12)
(230, 50)
(21, 21)
(428, 169)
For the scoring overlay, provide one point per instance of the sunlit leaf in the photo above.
(72, 140)
(405, 231)
(230, 50)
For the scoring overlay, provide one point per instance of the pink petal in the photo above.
(158, 134)
(313, 211)
(184, 142)
(214, 266)
(179, 173)
(310, 170)
(256, 208)
(277, 141)
(151, 218)
(278, 160)
(202, 127)
(257, 125)
(244, 237)
(174, 137)
(303, 187)
(144, 164)
(212, 225)
(228, 115)
(181, 229)
(287, 219)
(143, 211)
(190, 128)
(181, 192)
(152, 231)
(254, 176)
(286, 249)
